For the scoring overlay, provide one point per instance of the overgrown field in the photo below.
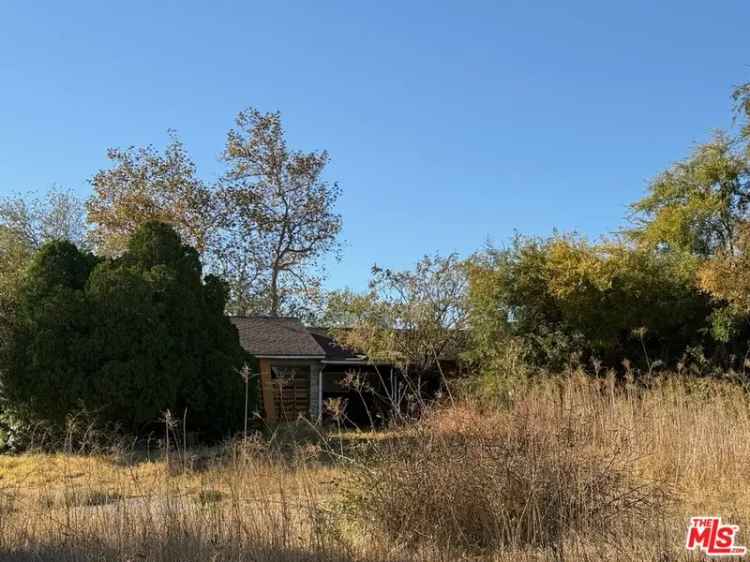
(571, 468)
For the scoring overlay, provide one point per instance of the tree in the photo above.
(146, 185)
(696, 205)
(278, 217)
(26, 223)
(726, 275)
(563, 296)
(15, 253)
(32, 220)
(265, 229)
(413, 318)
(741, 96)
(43, 362)
(124, 338)
(701, 208)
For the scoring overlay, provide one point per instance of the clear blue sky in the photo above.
(448, 122)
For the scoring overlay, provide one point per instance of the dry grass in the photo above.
(464, 481)
(572, 469)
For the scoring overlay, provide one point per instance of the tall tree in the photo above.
(741, 96)
(696, 205)
(147, 185)
(701, 205)
(278, 217)
(701, 208)
(33, 220)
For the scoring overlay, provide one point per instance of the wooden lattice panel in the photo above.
(291, 397)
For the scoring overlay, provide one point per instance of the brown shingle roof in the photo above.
(266, 335)
(333, 350)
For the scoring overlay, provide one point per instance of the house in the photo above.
(302, 369)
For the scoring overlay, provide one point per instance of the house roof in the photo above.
(333, 350)
(266, 336)
(283, 337)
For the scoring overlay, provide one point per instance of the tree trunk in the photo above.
(275, 293)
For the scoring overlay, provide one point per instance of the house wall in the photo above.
(266, 389)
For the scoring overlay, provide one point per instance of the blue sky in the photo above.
(449, 123)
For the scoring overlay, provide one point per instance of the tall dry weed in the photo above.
(462, 479)
(567, 468)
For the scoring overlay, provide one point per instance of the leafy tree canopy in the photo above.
(144, 185)
(696, 205)
(278, 218)
(564, 295)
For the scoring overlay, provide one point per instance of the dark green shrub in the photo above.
(124, 339)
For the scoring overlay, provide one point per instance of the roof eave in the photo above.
(270, 356)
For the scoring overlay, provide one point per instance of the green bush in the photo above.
(564, 297)
(124, 339)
